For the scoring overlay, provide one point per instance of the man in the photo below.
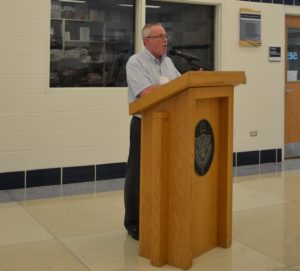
(145, 71)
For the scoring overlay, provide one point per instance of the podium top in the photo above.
(188, 80)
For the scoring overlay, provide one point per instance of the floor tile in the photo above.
(4, 196)
(81, 226)
(241, 179)
(252, 170)
(274, 231)
(35, 193)
(116, 251)
(246, 170)
(113, 250)
(77, 215)
(61, 190)
(78, 188)
(237, 258)
(286, 187)
(17, 226)
(39, 256)
(110, 185)
(246, 198)
(291, 164)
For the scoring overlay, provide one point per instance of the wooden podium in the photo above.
(184, 214)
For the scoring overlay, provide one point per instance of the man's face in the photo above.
(157, 41)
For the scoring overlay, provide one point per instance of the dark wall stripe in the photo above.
(257, 157)
(247, 158)
(268, 156)
(234, 159)
(78, 174)
(279, 155)
(111, 171)
(43, 177)
(12, 180)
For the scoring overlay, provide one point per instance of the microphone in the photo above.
(182, 54)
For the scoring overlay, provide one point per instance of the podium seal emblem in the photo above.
(204, 147)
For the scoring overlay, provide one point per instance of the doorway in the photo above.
(292, 88)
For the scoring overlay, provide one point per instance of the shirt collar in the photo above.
(153, 57)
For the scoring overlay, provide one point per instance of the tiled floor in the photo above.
(79, 227)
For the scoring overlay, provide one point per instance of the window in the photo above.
(191, 31)
(90, 42)
(293, 55)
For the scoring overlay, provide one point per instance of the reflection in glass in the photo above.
(293, 54)
(190, 28)
(90, 43)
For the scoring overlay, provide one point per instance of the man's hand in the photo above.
(148, 90)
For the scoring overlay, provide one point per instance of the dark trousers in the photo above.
(132, 178)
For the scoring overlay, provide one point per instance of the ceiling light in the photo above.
(150, 6)
(125, 5)
(73, 1)
(130, 5)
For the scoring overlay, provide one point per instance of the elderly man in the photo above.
(145, 71)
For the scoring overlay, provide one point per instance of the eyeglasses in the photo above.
(161, 36)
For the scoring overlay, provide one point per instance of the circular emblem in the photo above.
(204, 147)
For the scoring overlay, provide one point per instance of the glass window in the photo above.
(293, 54)
(90, 43)
(191, 32)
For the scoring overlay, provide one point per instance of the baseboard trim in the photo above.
(257, 157)
(89, 173)
(57, 176)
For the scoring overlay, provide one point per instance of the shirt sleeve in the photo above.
(137, 77)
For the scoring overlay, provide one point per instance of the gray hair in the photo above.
(146, 31)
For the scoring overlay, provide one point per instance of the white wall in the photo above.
(259, 105)
(43, 128)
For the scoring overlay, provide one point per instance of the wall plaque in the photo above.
(250, 27)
